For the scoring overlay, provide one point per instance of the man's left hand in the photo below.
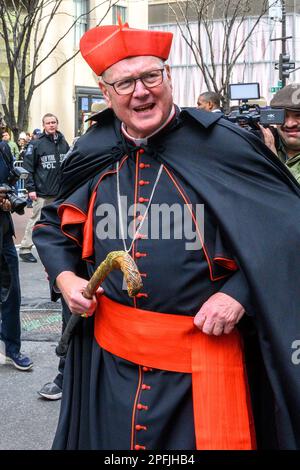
(268, 138)
(219, 314)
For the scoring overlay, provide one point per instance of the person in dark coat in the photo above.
(209, 101)
(10, 291)
(42, 160)
(204, 356)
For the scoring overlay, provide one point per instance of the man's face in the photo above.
(290, 130)
(50, 125)
(202, 104)
(145, 109)
(5, 136)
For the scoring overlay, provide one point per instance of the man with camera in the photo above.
(285, 141)
(10, 331)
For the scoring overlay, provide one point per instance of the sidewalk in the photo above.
(41, 318)
(29, 422)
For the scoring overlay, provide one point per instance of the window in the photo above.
(81, 9)
(118, 11)
(85, 98)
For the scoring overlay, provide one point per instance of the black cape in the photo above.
(257, 203)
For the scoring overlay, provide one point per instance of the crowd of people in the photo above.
(18, 148)
(200, 358)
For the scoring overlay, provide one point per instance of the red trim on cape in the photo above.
(71, 215)
(88, 229)
(40, 225)
(189, 205)
(227, 263)
(136, 399)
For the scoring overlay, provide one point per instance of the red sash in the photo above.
(222, 410)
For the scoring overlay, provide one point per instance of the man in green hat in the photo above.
(286, 143)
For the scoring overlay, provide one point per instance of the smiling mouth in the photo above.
(292, 134)
(146, 107)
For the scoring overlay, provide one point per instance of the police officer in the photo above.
(42, 159)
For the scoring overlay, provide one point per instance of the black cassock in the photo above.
(251, 227)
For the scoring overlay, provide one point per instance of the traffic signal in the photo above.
(284, 66)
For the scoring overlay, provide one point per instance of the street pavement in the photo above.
(28, 422)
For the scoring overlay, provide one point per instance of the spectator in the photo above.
(36, 134)
(10, 331)
(13, 146)
(42, 159)
(96, 108)
(209, 101)
(22, 143)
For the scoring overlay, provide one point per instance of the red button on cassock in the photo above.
(139, 427)
(143, 199)
(141, 294)
(146, 387)
(144, 165)
(142, 407)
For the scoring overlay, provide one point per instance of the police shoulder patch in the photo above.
(29, 150)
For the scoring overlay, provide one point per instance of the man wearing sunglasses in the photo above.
(200, 205)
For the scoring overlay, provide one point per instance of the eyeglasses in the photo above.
(127, 86)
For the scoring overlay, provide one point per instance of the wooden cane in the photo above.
(115, 260)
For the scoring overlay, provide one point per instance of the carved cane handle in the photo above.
(115, 260)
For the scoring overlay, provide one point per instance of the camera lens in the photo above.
(17, 204)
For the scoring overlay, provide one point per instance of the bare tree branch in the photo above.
(197, 19)
(24, 28)
(76, 21)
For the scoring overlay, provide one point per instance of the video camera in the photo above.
(251, 116)
(17, 203)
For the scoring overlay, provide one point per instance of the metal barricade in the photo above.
(20, 185)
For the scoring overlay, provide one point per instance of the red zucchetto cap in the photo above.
(103, 46)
